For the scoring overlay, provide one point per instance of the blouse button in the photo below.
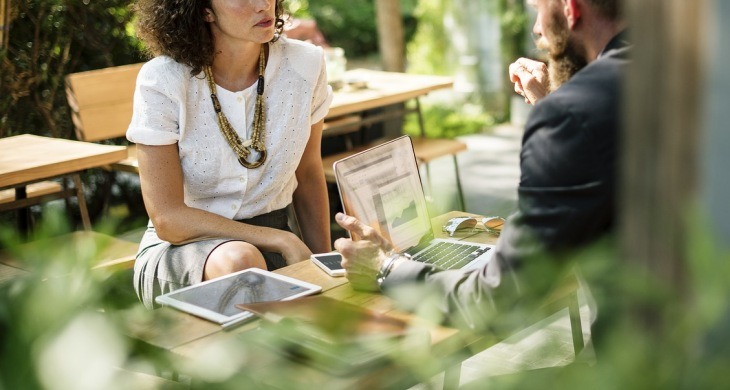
(233, 207)
(239, 98)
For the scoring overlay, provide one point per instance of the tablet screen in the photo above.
(216, 299)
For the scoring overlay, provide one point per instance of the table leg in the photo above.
(23, 212)
(83, 210)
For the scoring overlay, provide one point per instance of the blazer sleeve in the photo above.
(565, 196)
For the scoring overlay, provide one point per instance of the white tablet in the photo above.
(216, 299)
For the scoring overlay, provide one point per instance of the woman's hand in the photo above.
(292, 248)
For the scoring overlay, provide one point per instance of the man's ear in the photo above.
(208, 15)
(572, 11)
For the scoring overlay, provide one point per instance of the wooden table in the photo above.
(380, 89)
(190, 337)
(26, 159)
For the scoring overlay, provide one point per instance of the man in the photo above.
(568, 166)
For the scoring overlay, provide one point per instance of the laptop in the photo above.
(381, 186)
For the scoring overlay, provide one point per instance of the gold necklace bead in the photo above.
(256, 142)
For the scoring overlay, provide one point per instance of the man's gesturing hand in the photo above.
(361, 259)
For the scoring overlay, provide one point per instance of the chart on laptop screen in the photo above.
(382, 188)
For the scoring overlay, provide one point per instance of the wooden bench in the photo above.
(426, 150)
(36, 191)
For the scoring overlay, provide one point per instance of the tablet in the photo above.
(215, 300)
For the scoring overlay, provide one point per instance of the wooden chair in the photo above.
(101, 106)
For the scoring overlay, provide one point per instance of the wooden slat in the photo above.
(129, 164)
(103, 86)
(99, 123)
(34, 190)
(428, 149)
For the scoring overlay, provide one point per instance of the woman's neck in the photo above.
(236, 68)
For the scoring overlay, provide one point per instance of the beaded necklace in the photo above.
(257, 137)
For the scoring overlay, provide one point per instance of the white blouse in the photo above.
(171, 106)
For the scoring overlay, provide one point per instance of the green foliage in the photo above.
(49, 39)
(444, 121)
(351, 24)
(428, 51)
(61, 328)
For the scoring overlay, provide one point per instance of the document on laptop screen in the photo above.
(381, 187)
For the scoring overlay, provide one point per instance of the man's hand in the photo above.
(530, 78)
(361, 259)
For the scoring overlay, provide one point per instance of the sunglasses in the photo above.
(489, 224)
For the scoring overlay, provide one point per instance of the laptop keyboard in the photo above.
(449, 255)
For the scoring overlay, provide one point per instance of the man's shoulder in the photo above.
(596, 85)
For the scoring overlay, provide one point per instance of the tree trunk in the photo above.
(4, 23)
(659, 145)
(390, 35)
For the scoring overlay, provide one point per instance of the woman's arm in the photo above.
(310, 198)
(161, 180)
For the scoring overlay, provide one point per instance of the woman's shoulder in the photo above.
(295, 48)
(164, 69)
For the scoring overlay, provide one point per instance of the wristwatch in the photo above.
(387, 266)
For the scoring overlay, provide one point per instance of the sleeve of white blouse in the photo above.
(322, 96)
(155, 119)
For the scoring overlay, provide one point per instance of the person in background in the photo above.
(566, 195)
(228, 123)
(305, 30)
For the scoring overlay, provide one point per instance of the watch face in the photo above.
(386, 267)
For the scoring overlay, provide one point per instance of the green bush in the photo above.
(47, 40)
(444, 121)
(351, 24)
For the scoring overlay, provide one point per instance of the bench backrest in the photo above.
(101, 101)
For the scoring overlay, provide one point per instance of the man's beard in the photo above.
(566, 57)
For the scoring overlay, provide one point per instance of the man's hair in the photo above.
(176, 28)
(610, 9)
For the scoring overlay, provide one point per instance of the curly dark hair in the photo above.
(176, 28)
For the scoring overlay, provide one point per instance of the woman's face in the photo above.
(243, 20)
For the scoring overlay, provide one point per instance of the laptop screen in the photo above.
(382, 188)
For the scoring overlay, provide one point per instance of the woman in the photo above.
(228, 124)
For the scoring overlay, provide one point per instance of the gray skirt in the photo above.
(161, 267)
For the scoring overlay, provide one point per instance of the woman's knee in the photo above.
(231, 257)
